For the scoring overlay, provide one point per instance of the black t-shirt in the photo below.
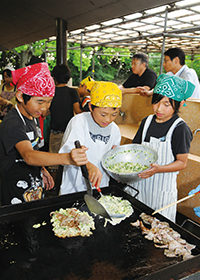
(181, 137)
(148, 78)
(13, 131)
(62, 107)
(20, 181)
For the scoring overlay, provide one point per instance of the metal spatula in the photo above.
(93, 204)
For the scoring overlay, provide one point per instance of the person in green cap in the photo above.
(170, 136)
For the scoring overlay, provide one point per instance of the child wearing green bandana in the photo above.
(170, 136)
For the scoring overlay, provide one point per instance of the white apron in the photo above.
(160, 189)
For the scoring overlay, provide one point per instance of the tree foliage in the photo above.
(108, 64)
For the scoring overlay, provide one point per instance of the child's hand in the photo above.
(47, 179)
(144, 92)
(150, 172)
(95, 175)
(78, 156)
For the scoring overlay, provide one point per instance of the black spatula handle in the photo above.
(83, 167)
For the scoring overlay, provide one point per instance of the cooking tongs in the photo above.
(94, 205)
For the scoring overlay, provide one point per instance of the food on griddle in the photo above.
(36, 225)
(116, 205)
(39, 225)
(71, 222)
(165, 237)
(126, 167)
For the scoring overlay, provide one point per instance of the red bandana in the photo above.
(34, 80)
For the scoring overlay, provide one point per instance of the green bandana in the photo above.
(174, 87)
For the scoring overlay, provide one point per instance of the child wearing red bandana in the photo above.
(23, 176)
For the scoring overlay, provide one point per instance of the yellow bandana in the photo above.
(89, 82)
(106, 94)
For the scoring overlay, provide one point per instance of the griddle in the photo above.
(112, 252)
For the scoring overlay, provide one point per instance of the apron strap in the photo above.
(22, 116)
(173, 126)
(146, 126)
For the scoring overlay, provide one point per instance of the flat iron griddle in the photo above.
(112, 252)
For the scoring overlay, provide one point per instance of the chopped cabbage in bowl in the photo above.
(125, 162)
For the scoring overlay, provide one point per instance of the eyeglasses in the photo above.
(135, 63)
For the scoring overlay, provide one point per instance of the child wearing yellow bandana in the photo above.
(97, 131)
(170, 136)
(84, 90)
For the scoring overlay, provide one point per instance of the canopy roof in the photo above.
(25, 21)
(175, 25)
(140, 25)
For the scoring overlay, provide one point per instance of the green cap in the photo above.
(174, 87)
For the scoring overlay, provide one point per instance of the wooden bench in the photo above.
(128, 132)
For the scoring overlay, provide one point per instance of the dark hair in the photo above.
(142, 57)
(25, 97)
(176, 52)
(175, 104)
(8, 72)
(61, 73)
(93, 107)
(34, 60)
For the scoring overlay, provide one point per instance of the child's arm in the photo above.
(133, 90)
(37, 158)
(95, 175)
(179, 164)
(76, 107)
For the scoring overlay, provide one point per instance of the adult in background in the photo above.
(142, 76)
(174, 64)
(7, 92)
(65, 103)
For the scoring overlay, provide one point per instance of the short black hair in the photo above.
(25, 97)
(142, 57)
(61, 73)
(175, 104)
(176, 52)
(93, 107)
(34, 60)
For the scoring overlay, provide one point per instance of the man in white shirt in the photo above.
(174, 64)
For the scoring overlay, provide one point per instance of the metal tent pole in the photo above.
(61, 41)
(81, 57)
(93, 56)
(163, 45)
